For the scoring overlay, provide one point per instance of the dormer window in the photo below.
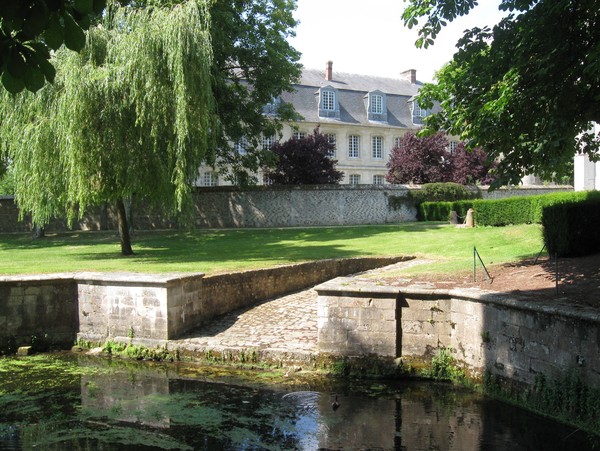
(329, 103)
(272, 107)
(376, 106)
(418, 113)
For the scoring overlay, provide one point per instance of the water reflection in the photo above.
(100, 406)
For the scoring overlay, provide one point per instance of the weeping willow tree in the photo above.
(131, 114)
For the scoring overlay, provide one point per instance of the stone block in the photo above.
(24, 350)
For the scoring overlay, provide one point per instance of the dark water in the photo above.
(62, 403)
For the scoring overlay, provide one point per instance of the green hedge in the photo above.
(523, 209)
(572, 229)
(501, 212)
(440, 211)
(445, 192)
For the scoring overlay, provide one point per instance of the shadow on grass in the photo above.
(224, 245)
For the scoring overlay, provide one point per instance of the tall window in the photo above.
(267, 142)
(378, 179)
(377, 147)
(353, 146)
(452, 147)
(332, 140)
(418, 113)
(354, 179)
(376, 104)
(209, 179)
(398, 142)
(241, 146)
(328, 101)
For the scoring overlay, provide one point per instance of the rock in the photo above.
(76, 349)
(24, 350)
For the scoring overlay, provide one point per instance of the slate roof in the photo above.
(353, 90)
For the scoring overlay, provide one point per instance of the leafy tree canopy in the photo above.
(427, 159)
(420, 160)
(30, 29)
(305, 161)
(253, 65)
(131, 114)
(527, 91)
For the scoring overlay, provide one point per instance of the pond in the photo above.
(66, 401)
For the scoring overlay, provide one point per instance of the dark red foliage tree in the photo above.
(305, 161)
(420, 160)
(471, 166)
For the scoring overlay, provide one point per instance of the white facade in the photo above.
(586, 172)
(364, 116)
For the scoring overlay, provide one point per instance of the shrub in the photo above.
(440, 211)
(444, 192)
(522, 209)
(571, 228)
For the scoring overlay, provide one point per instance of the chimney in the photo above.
(410, 75)
(329, 71)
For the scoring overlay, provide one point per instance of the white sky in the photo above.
(369, 37)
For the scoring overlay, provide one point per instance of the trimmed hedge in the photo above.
(572, 229)
(435, 201)
(501, 212)
(523, 209)
(440, 211)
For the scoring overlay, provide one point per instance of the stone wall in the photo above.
(297, 206)
(41, 308)
(140, 306)
(304, 206)
(226, 292)
(513, 337)
(151, 308)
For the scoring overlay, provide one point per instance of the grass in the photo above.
(213, 251)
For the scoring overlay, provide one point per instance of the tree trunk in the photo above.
(123, 229)
(39, 232)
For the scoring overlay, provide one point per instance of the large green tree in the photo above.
(253, 64)
(131, 114)
(527, 91)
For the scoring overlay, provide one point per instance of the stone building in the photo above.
(363, 115)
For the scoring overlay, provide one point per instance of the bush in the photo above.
(571, 228)
(444, 192)
(440, 211)
(522, 209)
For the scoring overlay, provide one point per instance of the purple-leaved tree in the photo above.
(305, 161)
(428, 160)
(420, 160)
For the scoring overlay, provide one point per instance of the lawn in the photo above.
(213, 251)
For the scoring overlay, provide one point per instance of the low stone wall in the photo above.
(512, 337)
(41, 308)
(226, 292)
(145, 307)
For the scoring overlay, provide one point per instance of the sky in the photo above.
(368, 37)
